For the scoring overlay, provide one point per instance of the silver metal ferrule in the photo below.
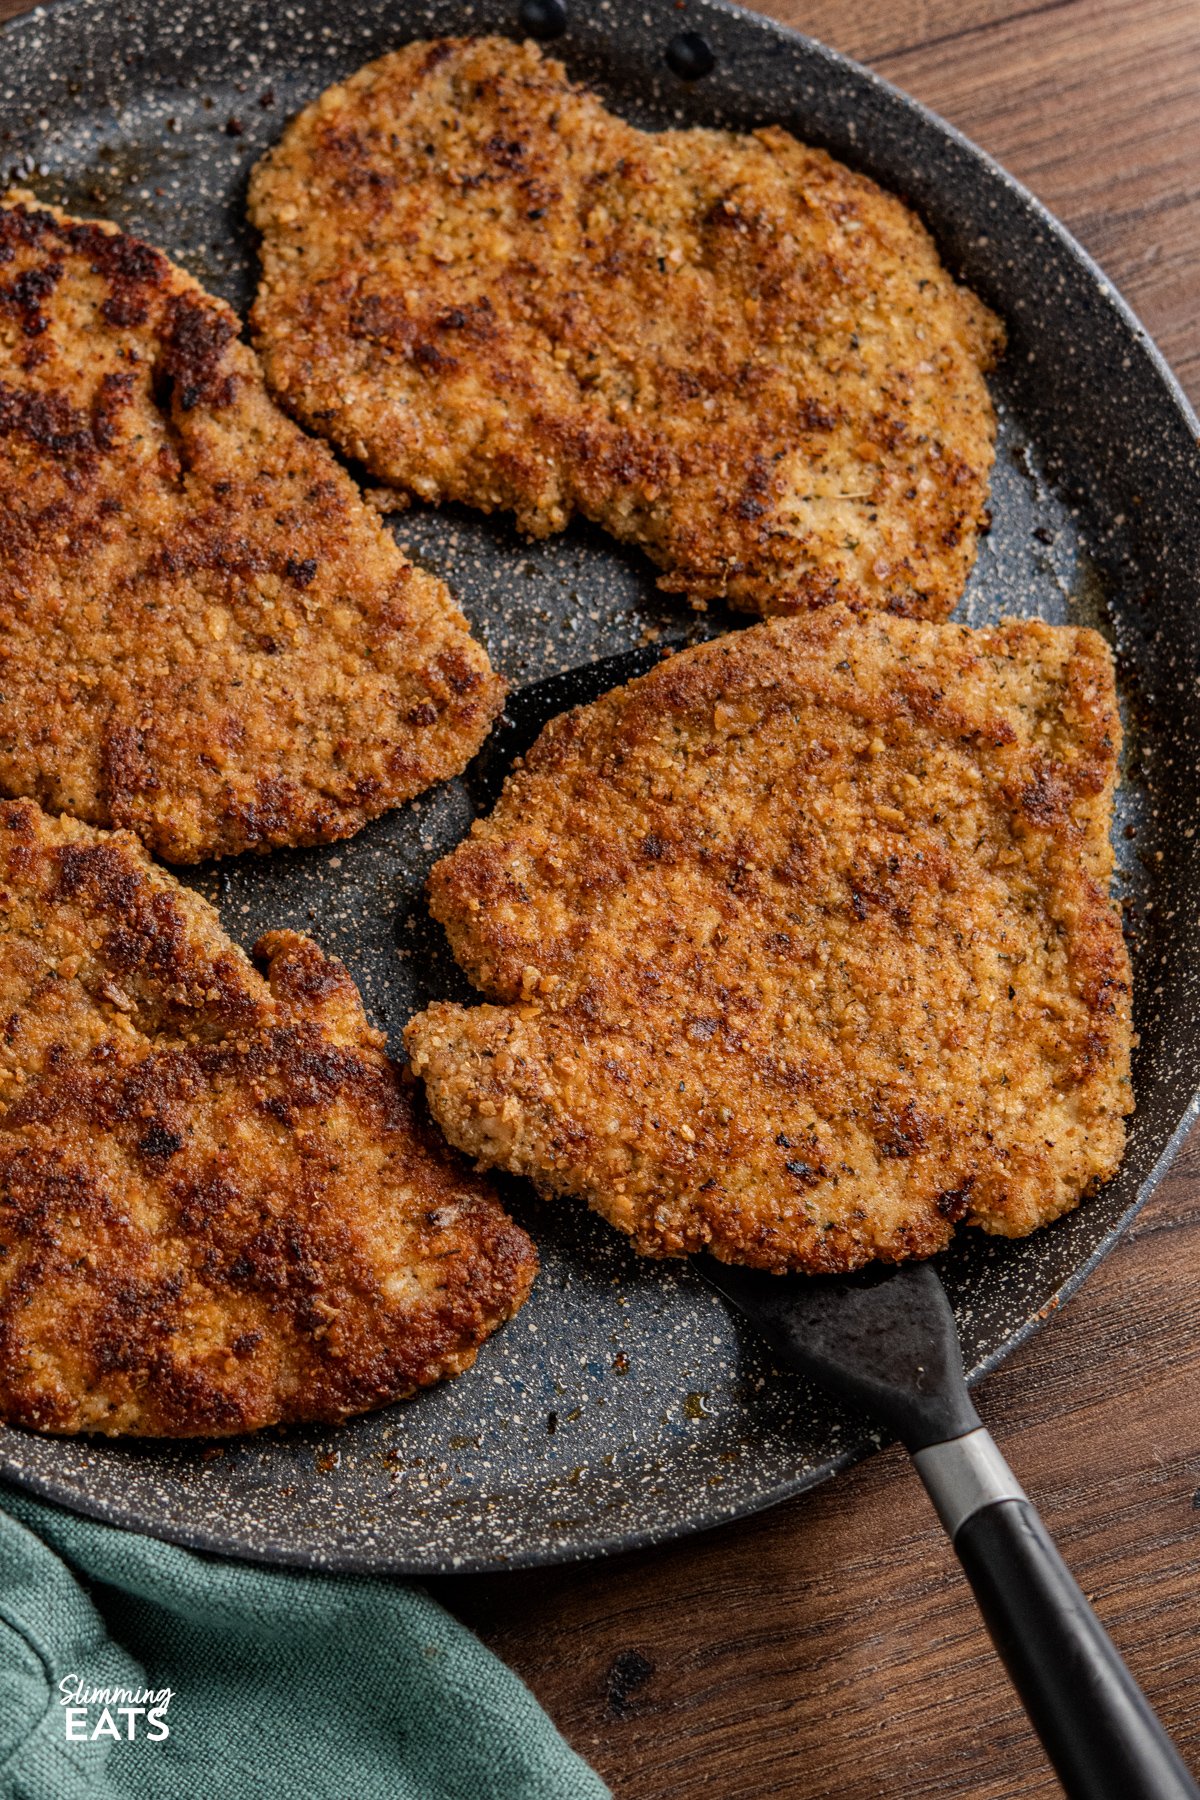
(965, 1474)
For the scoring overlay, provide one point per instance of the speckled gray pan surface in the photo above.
(624, 1404)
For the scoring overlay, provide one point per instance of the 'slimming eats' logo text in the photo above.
(113, 1712)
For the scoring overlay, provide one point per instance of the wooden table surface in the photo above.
(830, 1648)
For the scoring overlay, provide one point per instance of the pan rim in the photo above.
(207, 1541)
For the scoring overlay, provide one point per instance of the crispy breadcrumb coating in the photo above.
(800, 947)
(730, 350)
(220, 1206)
(206, 635)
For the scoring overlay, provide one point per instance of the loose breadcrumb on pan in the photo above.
(800, 948)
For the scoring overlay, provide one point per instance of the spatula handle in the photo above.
(1093, 1719)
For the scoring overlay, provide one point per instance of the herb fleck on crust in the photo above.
(206, 635)
(220, 1205)
(730, 350)
(800, 947)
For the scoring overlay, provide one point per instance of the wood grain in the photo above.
(830, 1648)
(1094, 104)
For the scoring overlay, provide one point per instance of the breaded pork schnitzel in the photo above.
(730, 350)
(206, 635)
(800, 947)
(220, 1206)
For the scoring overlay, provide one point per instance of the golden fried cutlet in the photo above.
(220, 1206)
(206, 635)
(728, 349)
(801, 945)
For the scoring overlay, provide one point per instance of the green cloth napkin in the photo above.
(283, 1684)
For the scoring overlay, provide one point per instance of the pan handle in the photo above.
(1094, 1721)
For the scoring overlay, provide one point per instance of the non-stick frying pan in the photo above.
(626, 1404)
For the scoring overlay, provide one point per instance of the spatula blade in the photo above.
(886, 1342)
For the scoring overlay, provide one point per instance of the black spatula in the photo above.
(888, 1344)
